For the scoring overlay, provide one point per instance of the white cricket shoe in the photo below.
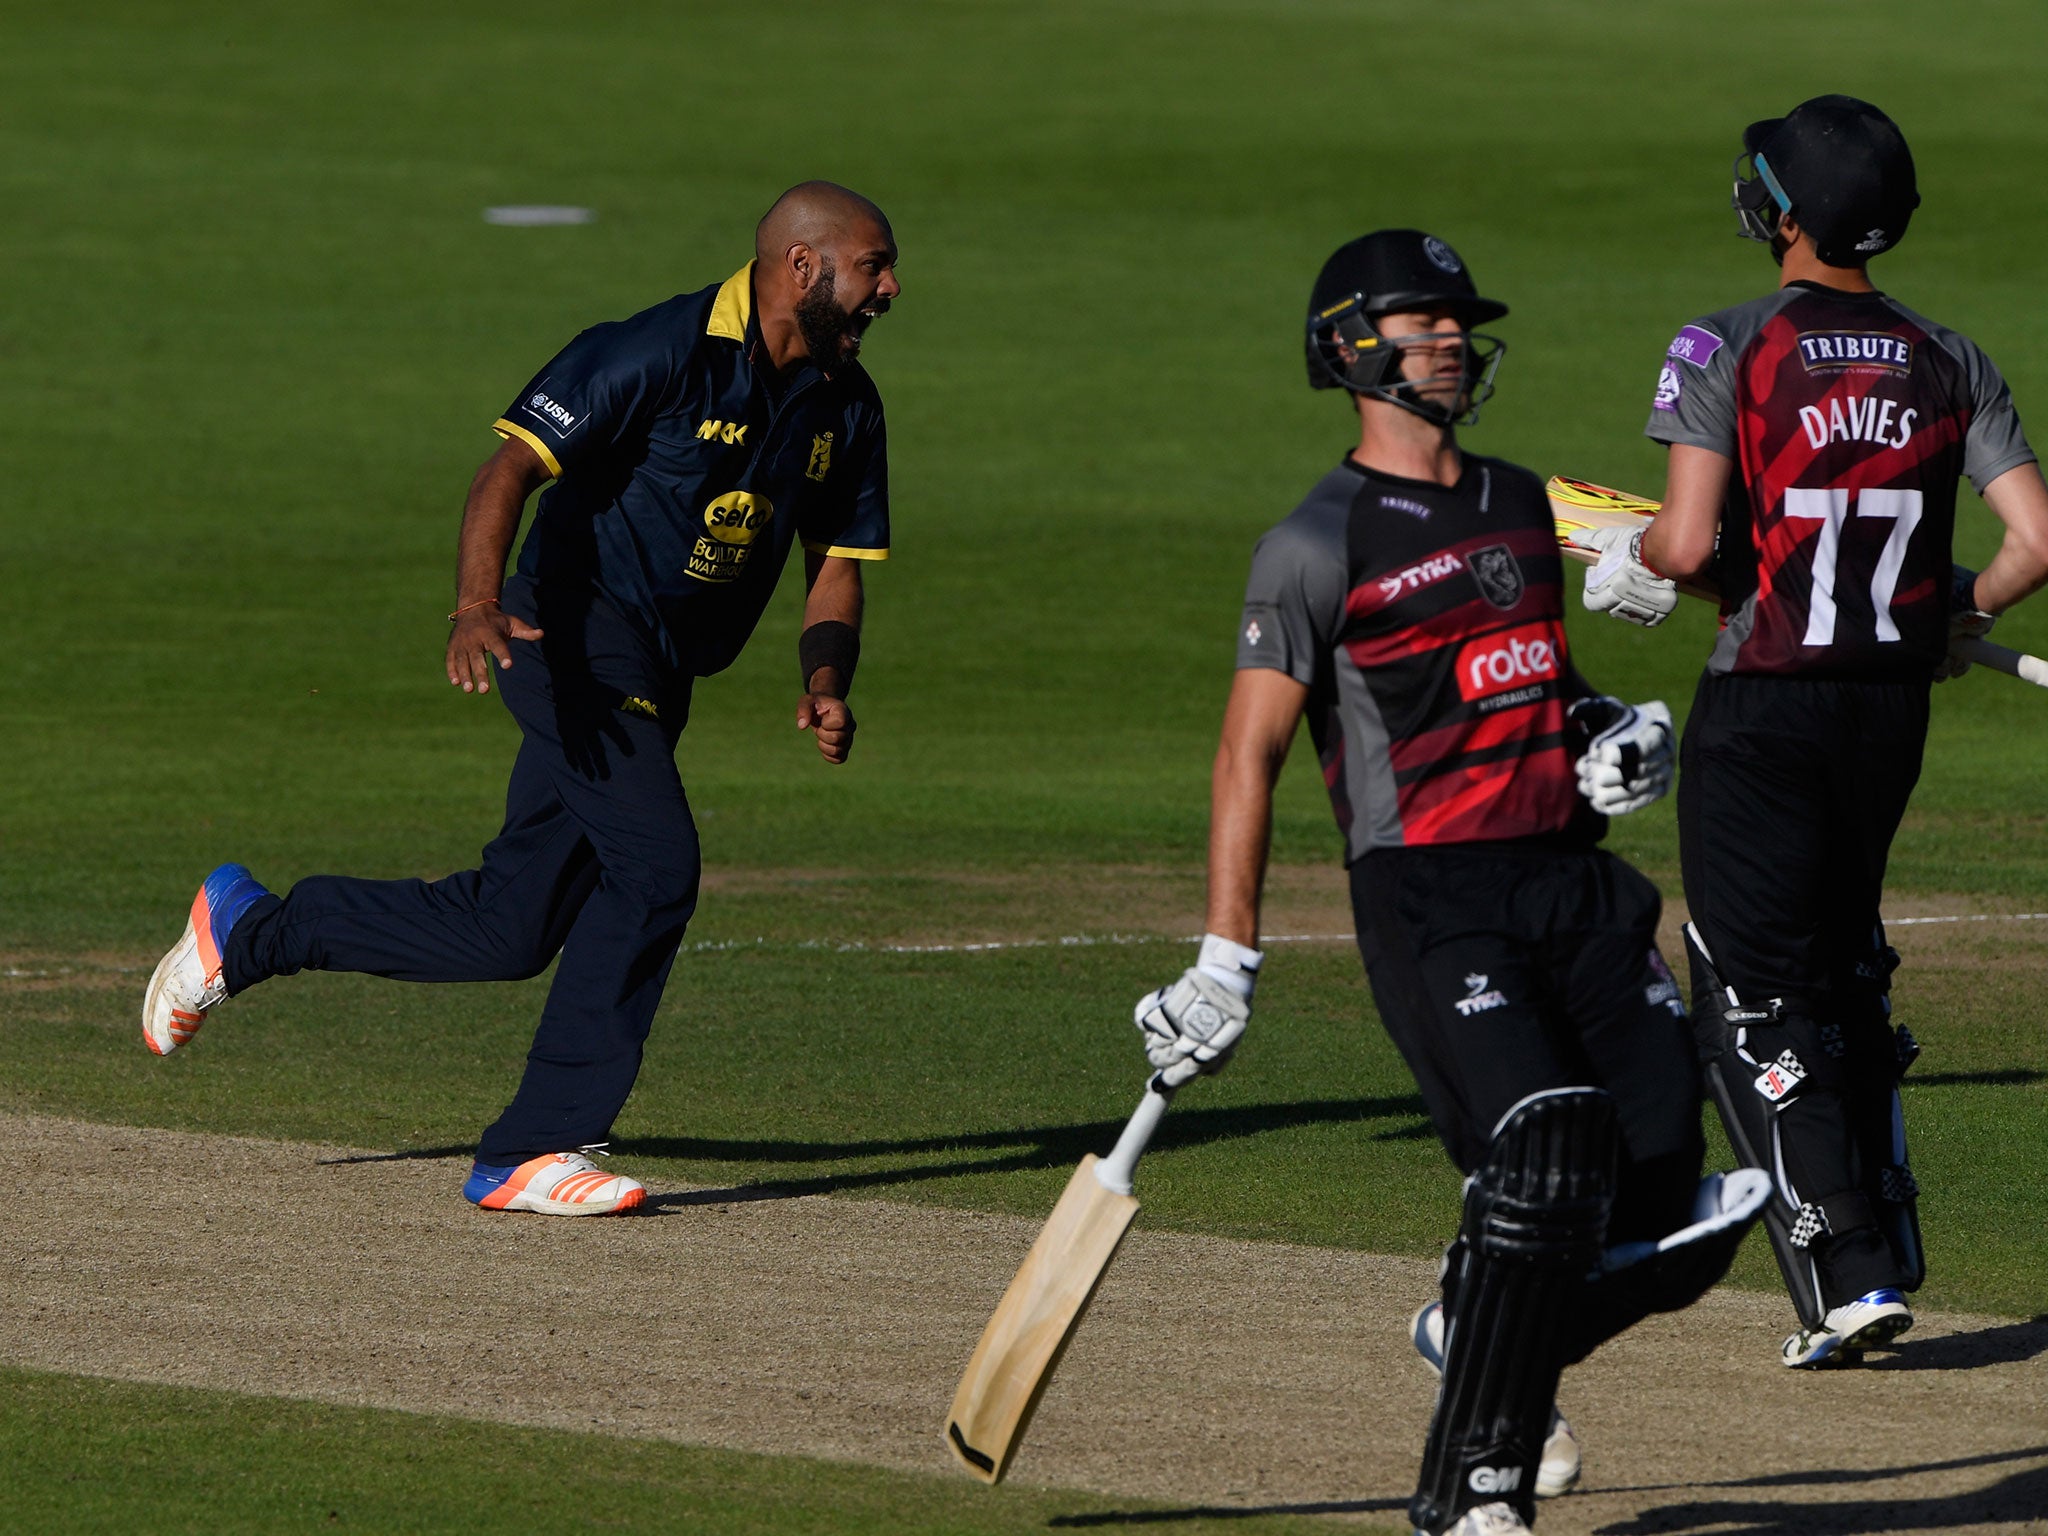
(1868, 1321)
(1486, 1520)
(1558, 1472)
(189, 982)
(556, 1184)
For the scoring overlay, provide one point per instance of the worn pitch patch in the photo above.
(838, 1328)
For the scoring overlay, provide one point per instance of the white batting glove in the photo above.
(1192, 1026)
(1966, 621)
(1628, 763)
(1620, 583)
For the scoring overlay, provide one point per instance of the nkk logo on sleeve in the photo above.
(730, 524)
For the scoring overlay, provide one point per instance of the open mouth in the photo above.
(857, 324)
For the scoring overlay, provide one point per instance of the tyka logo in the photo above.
(1252, 632)
(1479, 998)
(1414, 578)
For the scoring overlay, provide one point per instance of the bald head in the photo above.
(824, 268)
(820, 214)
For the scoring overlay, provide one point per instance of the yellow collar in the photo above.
(733, 307)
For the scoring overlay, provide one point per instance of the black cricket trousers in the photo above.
(598, 860)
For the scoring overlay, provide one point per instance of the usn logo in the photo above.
(730, 524)
(1827, 351)
(724, 431)
(1478, 998)
(559, 418)
(821, 457)
(1521, 658)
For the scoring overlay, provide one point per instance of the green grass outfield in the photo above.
(257, 330)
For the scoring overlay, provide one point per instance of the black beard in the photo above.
(821, 321)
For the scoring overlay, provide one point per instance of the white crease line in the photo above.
(1094, 940)
(1975, 917)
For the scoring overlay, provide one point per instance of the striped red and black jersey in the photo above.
(1850, 419)
(1427, 622)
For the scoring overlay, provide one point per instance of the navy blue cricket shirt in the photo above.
(684, 474)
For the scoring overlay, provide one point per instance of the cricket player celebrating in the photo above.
(1816, 438)
(1412, 608)
(690, 447)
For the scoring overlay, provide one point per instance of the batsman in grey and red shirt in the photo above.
(1411, 608)
(1817, 439)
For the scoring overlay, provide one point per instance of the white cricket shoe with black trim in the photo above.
(1867, 1322)
(1558, 1472)
(1485, 1520)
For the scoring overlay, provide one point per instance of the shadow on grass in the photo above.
(2002, 1077)
(2019, 1497)
(1049, 1146)
(1226, 1512)
(1045, 1146)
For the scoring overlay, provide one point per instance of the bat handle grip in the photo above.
(1114, 1172)
(2000, 658)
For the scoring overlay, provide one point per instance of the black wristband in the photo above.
(1962, 590)
(834, 644)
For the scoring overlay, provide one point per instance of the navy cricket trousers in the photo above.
(598, 860)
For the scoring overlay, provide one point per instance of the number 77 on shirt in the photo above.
(1578, 506)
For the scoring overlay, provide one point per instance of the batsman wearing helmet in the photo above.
(1816, 439)
(1412, 608)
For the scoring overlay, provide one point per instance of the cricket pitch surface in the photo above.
(1210, 1373)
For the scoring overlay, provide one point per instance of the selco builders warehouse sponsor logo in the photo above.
(730, 524)
(555, 415)
(1821, 351)
(1510, 659)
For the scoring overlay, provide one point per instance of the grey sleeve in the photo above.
(1293, 604)
(1695, 398)
(1996, 441)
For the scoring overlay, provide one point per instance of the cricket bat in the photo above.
(1577, 506)
(1024, 1340)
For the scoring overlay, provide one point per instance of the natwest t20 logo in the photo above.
(1510, 659)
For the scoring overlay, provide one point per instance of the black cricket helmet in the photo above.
(1392, 271)
(1839, 167)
